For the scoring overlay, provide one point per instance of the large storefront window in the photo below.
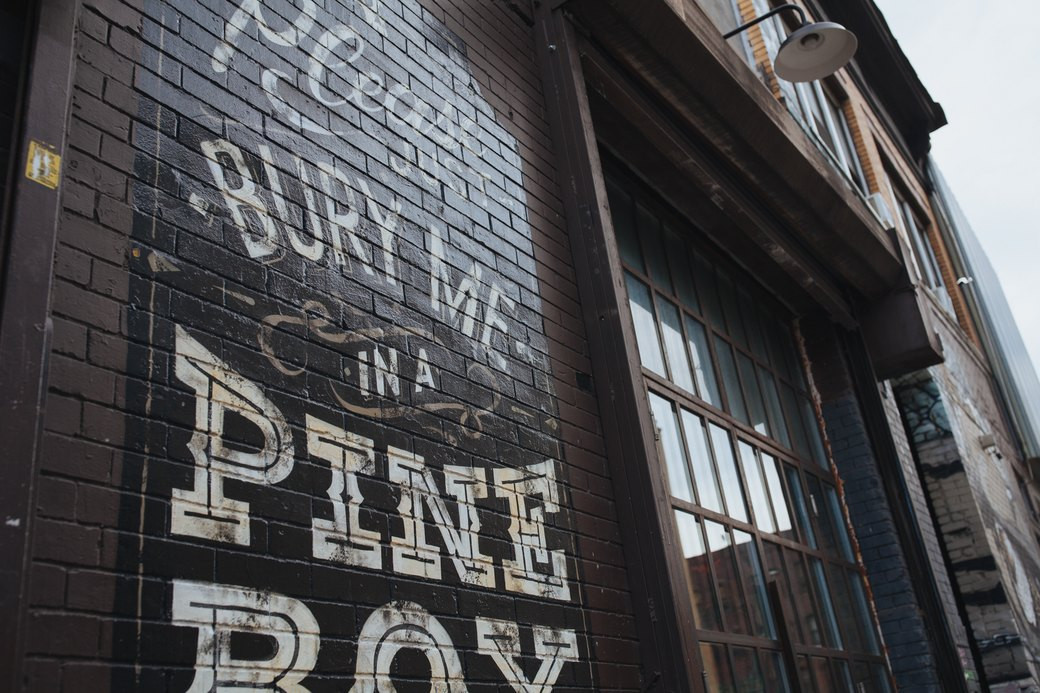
(751, 490)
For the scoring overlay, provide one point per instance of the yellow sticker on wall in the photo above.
(43, 165)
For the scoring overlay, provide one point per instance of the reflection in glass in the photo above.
(804, 673)
(731, 595)
(826, 604)
(674, 459)
(621, 216)
(751, 567)
(681, 271)
(774, 673)
(838, 520)
(703, 470)
(756, 488)
(812, 426)
(845, 608)
(734, 396)
(777, 571)
(771, 469)
(717, 674)
(705, 277)
(745, 670)
(801, 513)
(802, 596)
(674, 345)
(650, 231)
(778, 425)
(841, 673)
(646, 327)
(728, 474)
(702, 593)
(728, 295)
(756, 407)
(707, 386)
(822, 676)
(794, 421)
(828, 541)
(753, 323)
(866, 621)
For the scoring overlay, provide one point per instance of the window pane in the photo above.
(804, 673)
(802, 595)
(778, 426)
(734, 395)
(866, 621)
(624, 231)
(762, 623)
(671, 446)
(801, 512)
(731, 595)
(707, 386)
(812, 427)
(650, 231)
(781, 511)
(838, 519)
(753, 324)
(881, 679)
(845, 609)
(777, 571)
(821, 672)
(756, 407)
(728, 475)
(704, 476)
(826, 603)
(842, 675)
(705, 277)
(728, 295)
(821, 518)
(675, 345)
(760, 507)
(646, 327)
(869, 678)
(702, 592)
(792, 410)
(681, 271)
(717, 674)
(774, 673)
(745, 670)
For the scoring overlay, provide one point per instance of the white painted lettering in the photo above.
(534, 483)
(553, 647)
(405, 626)
(218, 611)
(342, 539)
(203, 511)
(412, 554)
(242, 199)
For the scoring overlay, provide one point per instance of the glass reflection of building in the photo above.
(753, 494)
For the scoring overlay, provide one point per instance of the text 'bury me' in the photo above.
(530, 492)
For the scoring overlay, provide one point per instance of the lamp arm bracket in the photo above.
(767, 15)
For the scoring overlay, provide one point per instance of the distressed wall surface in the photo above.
(970, 464)
(318, 412)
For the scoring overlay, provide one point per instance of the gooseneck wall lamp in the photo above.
(812, 51)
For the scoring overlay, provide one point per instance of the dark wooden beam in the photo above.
(25, 327)
(670, 658)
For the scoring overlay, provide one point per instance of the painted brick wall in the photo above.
(899, 614)
(951, 410)
(317, 404)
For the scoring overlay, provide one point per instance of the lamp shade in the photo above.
(814, 51)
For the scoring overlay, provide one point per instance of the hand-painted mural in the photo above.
(348, 465)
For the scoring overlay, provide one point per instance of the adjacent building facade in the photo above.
(495, 345)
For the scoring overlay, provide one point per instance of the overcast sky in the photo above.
(981, 61)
